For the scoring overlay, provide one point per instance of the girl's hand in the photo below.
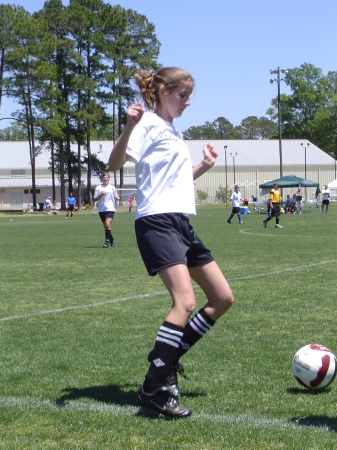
(210, 154)
(135, 113)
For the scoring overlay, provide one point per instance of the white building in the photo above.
(250, 163)
(16, 174)
(244, 162)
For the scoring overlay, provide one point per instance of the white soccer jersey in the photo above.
(107, 202)
(326, 194)
(164, 174)
(236, 199)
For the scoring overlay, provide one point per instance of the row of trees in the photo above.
(250, 128)
(309, 112)
(65, 67)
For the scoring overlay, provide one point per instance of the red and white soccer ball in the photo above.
(314, 366)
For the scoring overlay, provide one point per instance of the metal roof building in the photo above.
(253, 152)
(250, 163)
(244, 162)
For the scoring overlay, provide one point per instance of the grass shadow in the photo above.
(317, 421)
(303, 391)
(106, 394)
(110, 394)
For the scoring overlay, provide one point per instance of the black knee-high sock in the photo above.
(196, 328)
(164, 354)
(108, 235)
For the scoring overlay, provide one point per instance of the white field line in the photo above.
(90, 305)
(279, 233)
(157, 293)
(264, 234)
(289, 269)
(128, 411)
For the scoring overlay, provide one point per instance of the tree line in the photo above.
(65, 66)
(251, 127)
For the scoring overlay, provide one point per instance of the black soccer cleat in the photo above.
(112, 242)
(162, 402)
(106, 244)
(172, 380)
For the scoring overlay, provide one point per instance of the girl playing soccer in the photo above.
(236, 201)
(106, 196)
(167, 242)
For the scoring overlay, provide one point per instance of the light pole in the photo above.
(234, 156)
(225, 147)
(305, 164)
(278, 80)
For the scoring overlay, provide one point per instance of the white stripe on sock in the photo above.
(169, 336)
(201, 323)
(195, 328)
(202, 319)
(169, 330)
(168, 342)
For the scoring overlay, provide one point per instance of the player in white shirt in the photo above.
(236, 201)
(106, 195)
(166, 240)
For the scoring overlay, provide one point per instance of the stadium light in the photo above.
(278, 80)
(305, 164)
(225, 147)
(234, 156)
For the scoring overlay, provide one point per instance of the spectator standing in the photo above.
(325, 199)
(47, 204)
(299, 197)
(318, 191)
(130, 204)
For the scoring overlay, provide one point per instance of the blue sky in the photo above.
(229, 47)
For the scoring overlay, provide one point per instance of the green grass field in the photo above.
(77, 322)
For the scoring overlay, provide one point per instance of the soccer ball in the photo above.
(314, 366)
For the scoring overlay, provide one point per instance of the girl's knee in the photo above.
(225, 302)
(230, 300)
(190, 307)
(181, 312)
(187, 307)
